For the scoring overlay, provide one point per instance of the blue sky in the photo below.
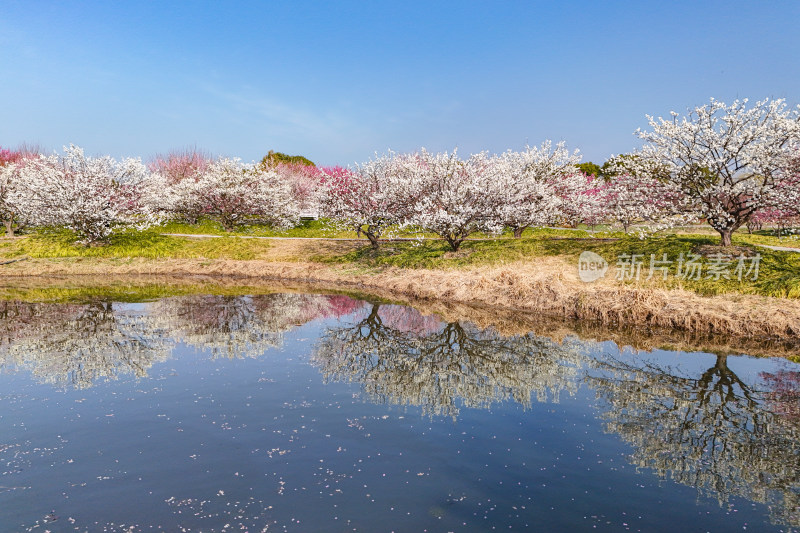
(339, 81)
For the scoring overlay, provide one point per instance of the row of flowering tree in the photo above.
(96, 196)
(722, 164)
(451, 196)
(456, 197)
(193, 185)
(727, 165)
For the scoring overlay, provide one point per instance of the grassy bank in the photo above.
(537, 273)
(778, 271)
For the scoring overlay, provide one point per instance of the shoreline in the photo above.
(548, 287)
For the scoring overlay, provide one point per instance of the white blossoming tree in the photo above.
(581, 199)
(526, 184)
(457, 197)
(783, 214)
(93, 196)
(785, 205)
(306, 183)
(234, 193)
(729, 160)
(171, 169)
(10, 163)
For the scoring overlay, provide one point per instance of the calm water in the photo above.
(295, 412)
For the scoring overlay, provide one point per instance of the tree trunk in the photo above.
(518, 231)
(726, 236)
(373, 233)
(373, 240)
(9, 223)
(454, 243)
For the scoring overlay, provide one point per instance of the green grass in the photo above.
(117, 293)
(767, 237)
(323, 228)
(134, 244)
(128, 293)
(437, 254)
(306, 228)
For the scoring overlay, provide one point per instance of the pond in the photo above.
(310, 412)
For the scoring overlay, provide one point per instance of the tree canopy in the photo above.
(274, 158)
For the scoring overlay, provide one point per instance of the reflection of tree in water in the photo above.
(783, 395)
(402, 357)
(243, 326)
(77, 344)
(712, 431)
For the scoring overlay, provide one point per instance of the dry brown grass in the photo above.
(545, 286)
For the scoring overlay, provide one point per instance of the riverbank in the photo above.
(547, 286)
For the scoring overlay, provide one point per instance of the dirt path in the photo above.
(207, 236)
(780, 248)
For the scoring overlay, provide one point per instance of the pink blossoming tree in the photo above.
(369, 199)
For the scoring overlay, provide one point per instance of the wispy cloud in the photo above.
(287, 119)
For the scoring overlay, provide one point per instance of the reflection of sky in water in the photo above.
(209, 442)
